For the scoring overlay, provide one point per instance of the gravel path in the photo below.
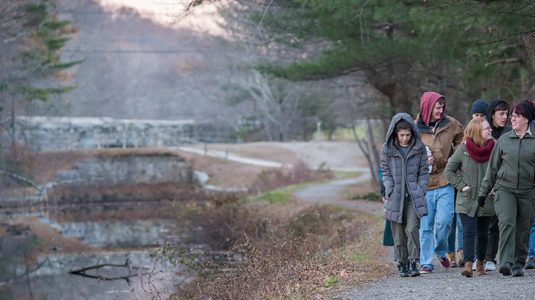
(328, 193)
(448, 284)
(442, 284)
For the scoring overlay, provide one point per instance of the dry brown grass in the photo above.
(276, 178)
(223, 172)
(290, 251)
(362, 191)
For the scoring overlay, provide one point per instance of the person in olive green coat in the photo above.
(511, 172)
(465, 171)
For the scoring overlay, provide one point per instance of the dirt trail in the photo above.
(330, 193)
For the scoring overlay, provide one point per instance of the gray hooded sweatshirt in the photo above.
(404, 174)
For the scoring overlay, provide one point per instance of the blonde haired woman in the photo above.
(465, 170)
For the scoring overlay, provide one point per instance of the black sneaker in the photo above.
(517, 272)
(530, 264)
(404, 270)
(505, 269)
(413, 269)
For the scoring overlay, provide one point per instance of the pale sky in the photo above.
(204, 18)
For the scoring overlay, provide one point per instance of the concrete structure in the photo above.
(59, 133)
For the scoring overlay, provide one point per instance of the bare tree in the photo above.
(277, 103)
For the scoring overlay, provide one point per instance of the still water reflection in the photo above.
(41, 251)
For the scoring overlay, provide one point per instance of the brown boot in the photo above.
(480, 267)
(453, 261)
(467, 269)
(460, 256)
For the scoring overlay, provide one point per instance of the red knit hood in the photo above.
(427, 102)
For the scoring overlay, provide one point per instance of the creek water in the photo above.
(92, 252)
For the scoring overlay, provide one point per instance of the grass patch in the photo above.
(331, 281)
(345, 175)
(279, 196)
(283, 195)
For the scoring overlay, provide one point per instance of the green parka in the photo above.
(462, 170)
(511, 164)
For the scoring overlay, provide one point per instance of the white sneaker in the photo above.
(474, 265)
(490, 266)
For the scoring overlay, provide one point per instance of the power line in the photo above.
(131, 51)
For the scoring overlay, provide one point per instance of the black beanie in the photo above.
(528, 108)
(480, 106)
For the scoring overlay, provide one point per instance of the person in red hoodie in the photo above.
(442, 134)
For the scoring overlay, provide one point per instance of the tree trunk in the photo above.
(367, 149)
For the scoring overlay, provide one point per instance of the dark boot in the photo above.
(467, 269)
(517, 272)
(404, 269)
(505, 269)
(413, 269)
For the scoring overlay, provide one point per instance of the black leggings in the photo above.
(474, 227)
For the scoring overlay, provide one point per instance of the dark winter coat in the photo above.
(400, 172)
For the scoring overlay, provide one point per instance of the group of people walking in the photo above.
(436, 171)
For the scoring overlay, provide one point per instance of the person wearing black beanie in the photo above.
(479, 109)
(511, 176)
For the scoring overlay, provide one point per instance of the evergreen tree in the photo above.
(32, 37)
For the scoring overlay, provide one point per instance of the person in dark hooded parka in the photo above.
(405, 175)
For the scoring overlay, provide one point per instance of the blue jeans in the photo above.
(531, 252)
(440, 210)
(456, 226)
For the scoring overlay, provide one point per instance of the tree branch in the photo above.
(503, 61)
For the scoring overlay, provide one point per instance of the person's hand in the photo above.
(430, 160)
(481, 201)
(383, 199)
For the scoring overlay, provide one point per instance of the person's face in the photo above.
(438, 110)
(499, 118)
(486, 131)
(519, 122)
(404, 137)
(478, 116)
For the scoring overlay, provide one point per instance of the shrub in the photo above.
(286, 255)
(276, 178)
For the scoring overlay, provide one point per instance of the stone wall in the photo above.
(56, 133)
(108, 175)
(127, 169)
